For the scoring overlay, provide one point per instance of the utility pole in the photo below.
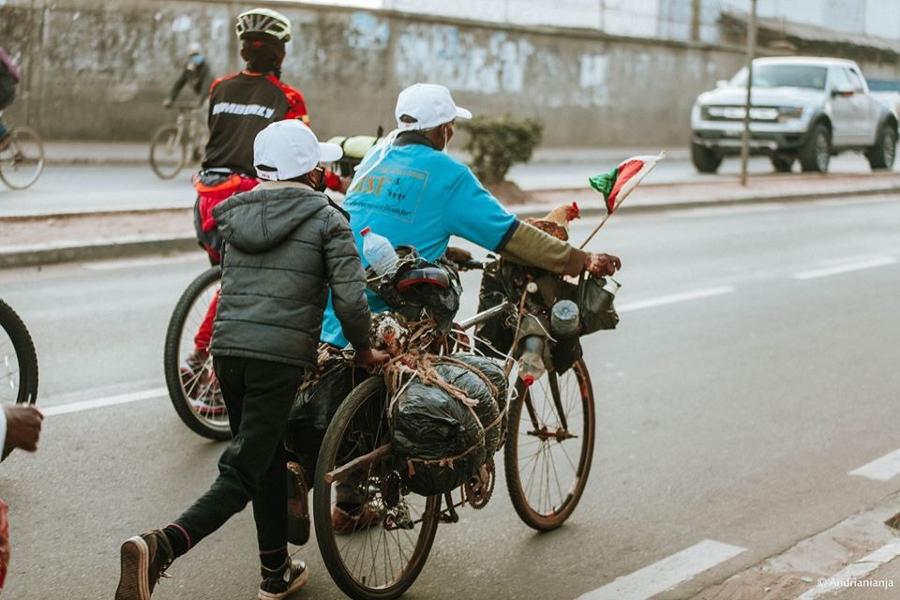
(695, 20)
(751, 50)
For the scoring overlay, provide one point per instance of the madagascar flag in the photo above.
(619, 182)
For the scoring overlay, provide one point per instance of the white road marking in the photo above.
(870, 263)
(673, 298)
(853, 571)
(667, 573)
(63, 409)
(880, 469)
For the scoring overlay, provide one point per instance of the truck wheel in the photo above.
(815, 153)
(706, 160)
(881, 155)
(782, 163)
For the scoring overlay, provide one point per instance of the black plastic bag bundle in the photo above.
(438, 436)
(313, 410)
(493, 371)
(487, 410)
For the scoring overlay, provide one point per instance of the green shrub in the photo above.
(497, 143)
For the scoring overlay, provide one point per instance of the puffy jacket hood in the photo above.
(262, 218)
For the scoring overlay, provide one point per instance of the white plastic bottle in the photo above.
(379, 252)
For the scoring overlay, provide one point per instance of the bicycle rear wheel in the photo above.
(381, 561)
(550, 446)
(194, 394)
(18, 360)
(22, 160)
(168, 152)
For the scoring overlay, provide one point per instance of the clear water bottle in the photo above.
(531, 362)
(379, 252)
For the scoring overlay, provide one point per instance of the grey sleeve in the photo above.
(347, 280)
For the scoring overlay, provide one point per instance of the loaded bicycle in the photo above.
(21, 157)
(546, 428)
(18, 360)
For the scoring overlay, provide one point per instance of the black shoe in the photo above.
(283, 582)
(145, 558)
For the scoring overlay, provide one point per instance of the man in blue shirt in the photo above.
(413, 193)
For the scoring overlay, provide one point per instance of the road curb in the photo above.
(47, 254)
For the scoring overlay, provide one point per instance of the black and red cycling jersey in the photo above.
(240, 106)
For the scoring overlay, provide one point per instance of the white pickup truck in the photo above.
(805, 109)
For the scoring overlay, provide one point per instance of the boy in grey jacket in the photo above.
(286, 244)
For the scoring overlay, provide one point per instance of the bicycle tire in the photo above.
(25, 132)
(325, 535)
(517, 491)
(171, 365)
(26, 356)
(160, 139)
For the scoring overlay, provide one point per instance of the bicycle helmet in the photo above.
(263, 21)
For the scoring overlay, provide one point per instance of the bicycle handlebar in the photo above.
(470, 265)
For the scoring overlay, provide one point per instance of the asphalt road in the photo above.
(731, 415)
(115, 187)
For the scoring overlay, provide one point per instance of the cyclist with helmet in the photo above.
(240, 106)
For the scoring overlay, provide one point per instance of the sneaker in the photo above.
(145, 559)
(298, 505)
(282, 582)
(345, 522)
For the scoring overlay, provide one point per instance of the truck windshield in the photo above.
(770, 76)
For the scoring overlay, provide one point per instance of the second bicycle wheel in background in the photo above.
(193, 387)
(168, 152)
(22, 159)
(18, 360)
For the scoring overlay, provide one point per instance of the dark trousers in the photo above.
(258, 395)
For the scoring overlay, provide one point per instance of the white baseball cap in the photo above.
(288, 149)
(429, 104)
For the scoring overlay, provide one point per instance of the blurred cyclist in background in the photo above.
(9, 78)
(196, 75)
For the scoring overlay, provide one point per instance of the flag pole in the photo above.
(602, 223)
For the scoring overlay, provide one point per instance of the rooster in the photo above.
(556, 222)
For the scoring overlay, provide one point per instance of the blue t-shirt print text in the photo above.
(393, 191)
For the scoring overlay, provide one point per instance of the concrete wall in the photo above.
(98, 70)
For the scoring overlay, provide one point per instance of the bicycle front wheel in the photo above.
(22, 160)
(379, 552)
(168, 152)
(194, 389)
(550, 446)
(18, 360)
